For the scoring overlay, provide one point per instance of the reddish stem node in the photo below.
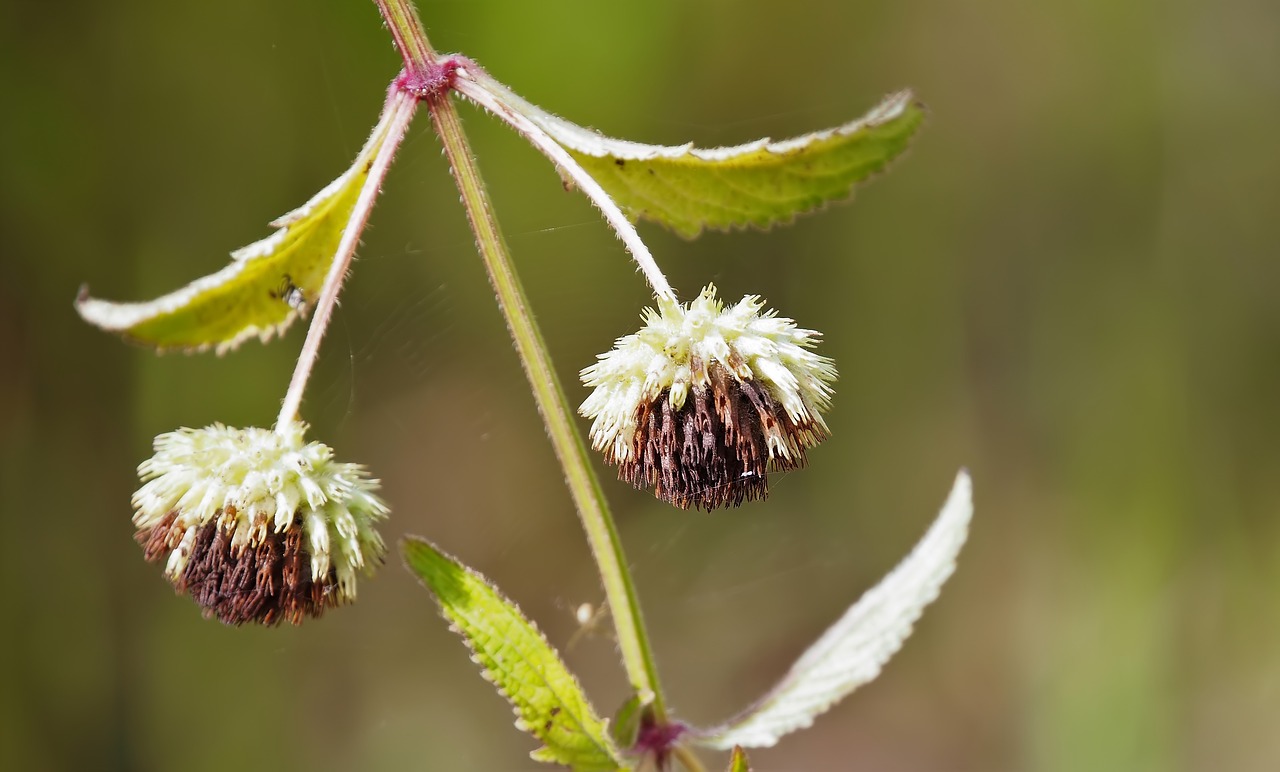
(434, 81)
(658, 739)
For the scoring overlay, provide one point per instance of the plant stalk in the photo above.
(480, 87)
(411, 38)
(687, 759)
(584, 487)
(556, 413)
(396, 114)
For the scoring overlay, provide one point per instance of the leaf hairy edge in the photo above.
(266, 286)
(761, 183)
(547, 699)
(852, 651)
(738, 761)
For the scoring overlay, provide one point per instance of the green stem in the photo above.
(406, 28)
(687, 760)
(557, 414)
(480, 87)
(554, 406)
(387, 136)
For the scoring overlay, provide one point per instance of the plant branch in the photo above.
(554, 406)
(411, 39)
(477, 85)
(593, 510)
(396, 113)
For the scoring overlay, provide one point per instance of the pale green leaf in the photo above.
(514, 655)
(761, 183)
(266, 286)
(738, 761)
(852, 651)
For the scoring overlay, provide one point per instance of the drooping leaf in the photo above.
(852, 651)
(514, 655)
(760, 183)
(266, 286)
(738, 761)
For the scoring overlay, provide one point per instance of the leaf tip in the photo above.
(853, 651)
(93, 310)
(411, 544)
(414, 551)
(959, 502)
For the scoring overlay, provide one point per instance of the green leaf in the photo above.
(266, 286)
(760, 183)
(626, 722)
(738, 761)
(852, 651)
(548, 702)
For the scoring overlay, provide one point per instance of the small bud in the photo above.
(257, 526)
(702, 402)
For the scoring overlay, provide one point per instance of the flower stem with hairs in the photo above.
(557, 414)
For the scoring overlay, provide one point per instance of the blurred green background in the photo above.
(1071, 286)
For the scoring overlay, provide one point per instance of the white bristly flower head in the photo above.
(258, 525)
(704, 400)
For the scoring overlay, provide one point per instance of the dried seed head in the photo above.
(258, 526)
(703, 401)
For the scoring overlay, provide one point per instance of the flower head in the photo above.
(258, 525)
(703, 400)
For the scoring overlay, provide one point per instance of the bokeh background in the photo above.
(1071, 286)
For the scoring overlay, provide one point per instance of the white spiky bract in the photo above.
(257, 481)
(678, 344)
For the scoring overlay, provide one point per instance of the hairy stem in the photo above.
(396, 114)
(554, 406)
(477, 85)
(406, 28)
(556, 412)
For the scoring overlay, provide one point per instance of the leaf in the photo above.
(266, 286)
(625, 726)
(514, 655)
(852, 651)
(738, 761)
(760, 183)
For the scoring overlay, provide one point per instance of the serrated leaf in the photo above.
(759, 183)
(515, 656)
(852, 651)
(738, 761)
(266, 286)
